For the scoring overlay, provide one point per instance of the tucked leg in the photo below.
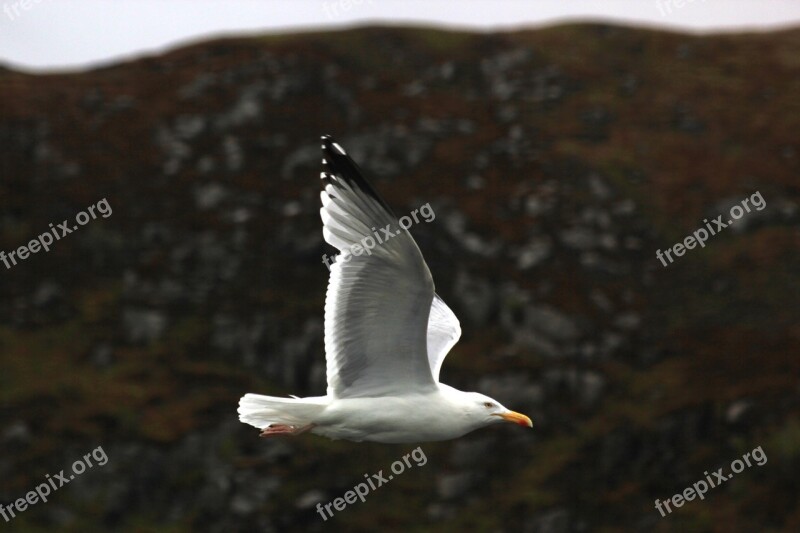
(275, 430)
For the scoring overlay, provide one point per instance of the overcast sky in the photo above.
(73, 34)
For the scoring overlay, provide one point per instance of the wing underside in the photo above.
(378, 301)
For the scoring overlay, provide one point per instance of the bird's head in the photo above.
(484, 411)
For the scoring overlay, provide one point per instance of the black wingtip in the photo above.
(331, 147)
(338, 163)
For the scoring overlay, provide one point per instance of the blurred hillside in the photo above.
(557, 162)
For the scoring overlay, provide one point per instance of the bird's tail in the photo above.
(261, 411)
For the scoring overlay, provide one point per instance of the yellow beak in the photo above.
(517, 418)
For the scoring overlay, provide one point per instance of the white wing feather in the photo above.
(444, 331)
(377, 305)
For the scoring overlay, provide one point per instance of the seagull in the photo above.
(387, 333)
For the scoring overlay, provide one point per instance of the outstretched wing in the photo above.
(444, 331)
(379, 293)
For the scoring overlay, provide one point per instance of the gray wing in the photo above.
(377, 304)
(444, 331)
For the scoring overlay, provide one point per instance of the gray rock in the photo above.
(307, 156)
(624, 207)
(468, 452)
(310, 499)
(234, 155)
(247, 108)
(209, 195)
(540, 345)
(188, 127)
(628, 321)
(17, 432)
(586, 385)
(452, 486)
(197, 86)
(512, 388)
(598, 187)
(47, 293)
(102, 356)
(737, 411)
(534, 254)
(551, 323)
(555, 521)
(579, 238)
(601, 300)
(476, 297)
(143, 325)
(535, 205)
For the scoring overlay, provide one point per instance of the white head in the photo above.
(481, 410)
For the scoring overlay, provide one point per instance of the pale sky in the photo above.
(74, 34)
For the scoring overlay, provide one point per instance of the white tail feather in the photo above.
(261, 411)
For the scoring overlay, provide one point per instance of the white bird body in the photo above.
(386, 334)
(442, 414)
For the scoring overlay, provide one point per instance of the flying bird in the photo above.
(387, 333)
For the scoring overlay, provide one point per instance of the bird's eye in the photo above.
(488, 404)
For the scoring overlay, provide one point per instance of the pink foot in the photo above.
(275, 430)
